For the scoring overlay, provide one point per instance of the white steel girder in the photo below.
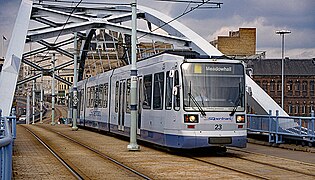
(11, 67)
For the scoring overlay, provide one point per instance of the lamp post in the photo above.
(282, 33)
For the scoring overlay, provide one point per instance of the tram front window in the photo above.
(213, 87)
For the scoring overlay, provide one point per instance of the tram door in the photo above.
(140, 100)
(121, 105)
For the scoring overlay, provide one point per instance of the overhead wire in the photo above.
(64, 24)
(183, 14)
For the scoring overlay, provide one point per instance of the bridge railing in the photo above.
(7, 136)
(276, 127)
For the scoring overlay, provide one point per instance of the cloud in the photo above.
(8, 12)
(298, 43)
(297, 53)
(267, 16)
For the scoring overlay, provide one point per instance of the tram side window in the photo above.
(177, 96)
(128, 97)
(158, 92)
(147, 88)
(96, 97)
(92, 97)
(116, 96)
(101, 95)
(105, 95)
(168, 93)
(88, 97)
(81, 99)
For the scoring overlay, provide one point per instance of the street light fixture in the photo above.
(282, 33)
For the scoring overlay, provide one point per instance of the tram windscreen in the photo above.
(213, 87)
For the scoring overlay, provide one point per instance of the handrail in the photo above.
(278, 126)
(8, 134)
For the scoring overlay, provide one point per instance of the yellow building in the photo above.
(239, 43)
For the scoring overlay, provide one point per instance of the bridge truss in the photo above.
(104, 33)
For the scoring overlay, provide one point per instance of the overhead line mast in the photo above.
(133, 146)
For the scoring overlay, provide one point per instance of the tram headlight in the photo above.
(240, 118)
(191, 118)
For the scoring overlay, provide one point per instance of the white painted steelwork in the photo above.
(11, 66)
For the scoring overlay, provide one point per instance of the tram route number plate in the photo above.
(218, 127)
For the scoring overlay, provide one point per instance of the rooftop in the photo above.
(303, 67)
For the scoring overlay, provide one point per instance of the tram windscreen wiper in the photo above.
(238, 100)
(197, 104)
(194, 100)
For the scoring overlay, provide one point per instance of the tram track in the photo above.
(106, 157)
(231, 168)
(256, 168)
(237, 162)
(80, 173)
(63, 162)
(273, 165)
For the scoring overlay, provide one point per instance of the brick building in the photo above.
(241, 43)
(299, 87)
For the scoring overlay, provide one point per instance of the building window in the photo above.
(304, 86)
(290, 88)
(304, 109)
(312, 88)
(290, 109)
(265, 85)
(272, 86)
(297, 88)
(279, 86)
(297, 109)
(311, 107)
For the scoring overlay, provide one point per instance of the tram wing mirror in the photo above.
(171, 73)
(175, 90)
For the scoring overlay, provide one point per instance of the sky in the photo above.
(267, 16)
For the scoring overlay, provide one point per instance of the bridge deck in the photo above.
(32, 161)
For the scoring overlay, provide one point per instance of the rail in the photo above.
(297, 128)
(7, 136)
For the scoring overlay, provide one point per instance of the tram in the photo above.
(183, 101)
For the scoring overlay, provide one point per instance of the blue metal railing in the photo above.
(299, 128)
(7, 136)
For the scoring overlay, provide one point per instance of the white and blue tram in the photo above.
(182, 103)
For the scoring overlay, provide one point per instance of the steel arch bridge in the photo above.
(55, 22)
